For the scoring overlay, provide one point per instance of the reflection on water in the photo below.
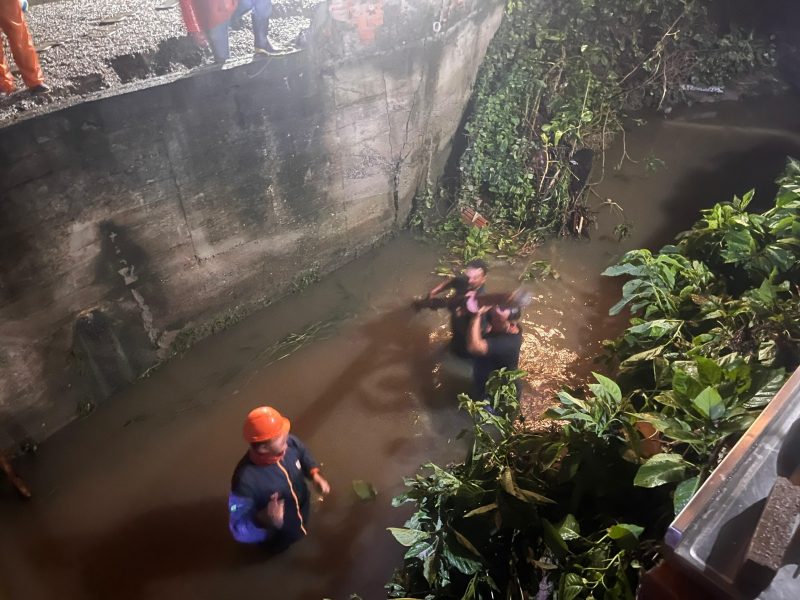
(130, 503)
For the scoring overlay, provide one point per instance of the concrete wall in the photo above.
(131, 218)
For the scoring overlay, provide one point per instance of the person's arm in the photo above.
(476, 343)
(310, 468)
(246, 522)
(444, 285)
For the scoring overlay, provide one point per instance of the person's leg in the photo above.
(19, 40)
(242, 9)
(262, 10)
(218, 39)
(6, 78)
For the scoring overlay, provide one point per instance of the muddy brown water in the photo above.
(131, 501)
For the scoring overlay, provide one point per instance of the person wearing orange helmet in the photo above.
(12, 23)
(270, 500)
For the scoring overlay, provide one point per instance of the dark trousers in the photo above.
(262, 9)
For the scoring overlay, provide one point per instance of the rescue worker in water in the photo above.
(12, 23)
(270, 499)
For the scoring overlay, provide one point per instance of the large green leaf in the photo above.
(656, 328)
(408, 537)
(459, 560)
(767, 384)
(621, 530)
(569, 400)
(708, 371)
(684, 384)
(684, 492)
(570, 587)
(709, 403)
(606, 388)
(569, 528)
(643, 356)
(661, 469)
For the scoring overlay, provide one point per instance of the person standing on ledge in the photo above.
(12, 23)
(209, 19)
(262, 10)
(270, 500)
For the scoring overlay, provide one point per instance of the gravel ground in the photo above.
(85, 47)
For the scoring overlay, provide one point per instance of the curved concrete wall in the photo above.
(130, 218)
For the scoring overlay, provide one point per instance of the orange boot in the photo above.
(12, 23)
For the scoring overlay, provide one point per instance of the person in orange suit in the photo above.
(12, 23)
(209, 19)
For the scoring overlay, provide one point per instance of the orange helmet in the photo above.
(264, 423)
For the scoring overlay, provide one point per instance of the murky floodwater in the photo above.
(131, 502)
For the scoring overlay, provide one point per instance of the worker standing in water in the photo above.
(209, 19)
(270, 500)
(12, 23)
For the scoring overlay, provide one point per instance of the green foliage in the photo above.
(558, 76)
(582, 510)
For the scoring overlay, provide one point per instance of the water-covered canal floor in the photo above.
(130, 502)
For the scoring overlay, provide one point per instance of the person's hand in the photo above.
(322, 485)
(275, 511)
(482, 310)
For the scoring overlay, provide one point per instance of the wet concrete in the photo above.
(130, 502)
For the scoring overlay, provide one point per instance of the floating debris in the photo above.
(364, 490)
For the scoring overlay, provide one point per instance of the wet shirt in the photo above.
(253, 485)
(460, 319)
(503, 351)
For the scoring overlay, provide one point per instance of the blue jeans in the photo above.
(262, 9)
(218, 39)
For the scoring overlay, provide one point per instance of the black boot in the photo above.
(268, 47)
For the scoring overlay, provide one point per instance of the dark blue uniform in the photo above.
(503, 351)
(253, 485)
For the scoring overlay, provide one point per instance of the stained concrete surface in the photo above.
(86, 47)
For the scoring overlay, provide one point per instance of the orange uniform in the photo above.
(204, 15)
(12, 23)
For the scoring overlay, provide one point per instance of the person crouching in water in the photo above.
(270, 500)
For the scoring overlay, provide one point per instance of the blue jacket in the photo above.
(253, 485)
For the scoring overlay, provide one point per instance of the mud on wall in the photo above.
(129, 219)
